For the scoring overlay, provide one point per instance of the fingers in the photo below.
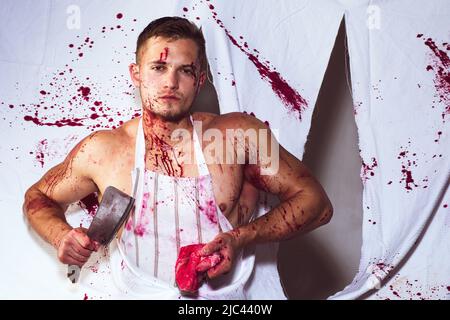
(76, 247)
(219, 251)
(212, 247)
(73, 259)
(83, 240)
(222, 268)
(82, 257)
(209, 262)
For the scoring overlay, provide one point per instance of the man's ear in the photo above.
(134, 74)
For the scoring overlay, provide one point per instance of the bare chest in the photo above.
(227, 180)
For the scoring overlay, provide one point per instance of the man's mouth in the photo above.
(170, 98)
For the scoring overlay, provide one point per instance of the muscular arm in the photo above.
(303, 205)
(47, 200)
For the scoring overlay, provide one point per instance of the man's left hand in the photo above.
(227, 245)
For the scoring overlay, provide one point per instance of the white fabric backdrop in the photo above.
(64, 74)
(271, 65)
(402, 111)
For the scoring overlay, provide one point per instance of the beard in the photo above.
(169, 112)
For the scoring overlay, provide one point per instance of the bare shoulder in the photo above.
(204, 117)
(103, 143)
(235, 120)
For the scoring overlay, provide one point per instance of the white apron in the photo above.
(172, 212)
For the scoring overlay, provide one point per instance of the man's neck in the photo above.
(159, 132)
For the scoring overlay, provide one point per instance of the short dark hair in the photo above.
(174, 28)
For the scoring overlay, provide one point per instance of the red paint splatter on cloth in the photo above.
(90, 204)
(367, 171)
(440, 65)
(58, 106)
(41, 151)
(210, 211)
(406, 171)
(139, 230)
(287, 94)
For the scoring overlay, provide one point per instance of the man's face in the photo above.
(168, 76)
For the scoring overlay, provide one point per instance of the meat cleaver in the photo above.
(111, 214)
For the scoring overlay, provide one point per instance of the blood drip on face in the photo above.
(187, 277)
(163, 55)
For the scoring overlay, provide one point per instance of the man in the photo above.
(169, 71)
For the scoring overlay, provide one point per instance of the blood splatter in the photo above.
(38, 204)
(90, 204)
(356, 107)
(163, 55)
(367, 171)
(41, 151)
(407, 177)
(439, 136)
(85, 91)
(56, 174)
(210, 211)
(59, 108)
(162, 151)
(289, 96)
(393, 291)
(440, 64)
(406, 171)
(75, 122)
(139, 230)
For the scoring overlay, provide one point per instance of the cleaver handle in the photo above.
(73, 273)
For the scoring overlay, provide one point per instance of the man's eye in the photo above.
(158, 68)
(188, 71)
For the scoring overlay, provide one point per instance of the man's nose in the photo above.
(171, 80)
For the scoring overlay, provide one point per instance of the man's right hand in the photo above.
(75, 247)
